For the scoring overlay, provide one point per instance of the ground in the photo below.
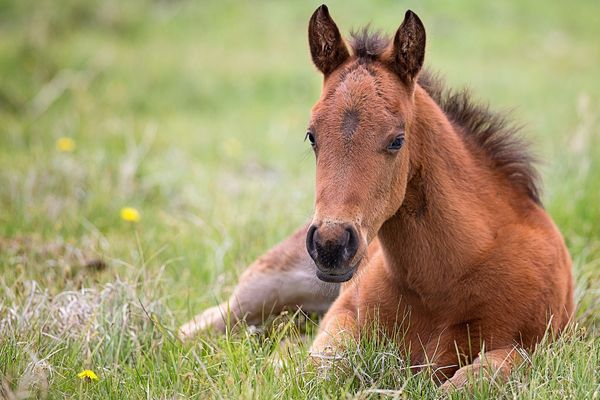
(193, 114)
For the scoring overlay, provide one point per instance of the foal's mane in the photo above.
(492, 132)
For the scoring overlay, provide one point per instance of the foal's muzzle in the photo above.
(333, 247)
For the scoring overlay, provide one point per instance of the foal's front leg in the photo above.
(283, 277)
(338, 327)
(494, 364)
(455, 345)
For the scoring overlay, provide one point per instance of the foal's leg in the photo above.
(495, 363)
(283, 277)
(456, 345)
(337, 328)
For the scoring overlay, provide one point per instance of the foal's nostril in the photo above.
(310, 242)
(351, 245)
(346, 238)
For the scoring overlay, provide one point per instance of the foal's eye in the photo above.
(311, 138)
(397, 143)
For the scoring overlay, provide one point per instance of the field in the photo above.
(194, 114)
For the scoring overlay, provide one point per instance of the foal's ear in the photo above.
(408, 50)
(327, 47)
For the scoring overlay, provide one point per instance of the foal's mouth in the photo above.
(332, 277)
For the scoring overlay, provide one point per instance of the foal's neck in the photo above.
(447, 218)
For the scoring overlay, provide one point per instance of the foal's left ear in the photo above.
(408, 52)
(327, 47)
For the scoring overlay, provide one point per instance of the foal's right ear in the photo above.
(327, 47)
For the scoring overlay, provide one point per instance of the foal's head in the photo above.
(359, 130)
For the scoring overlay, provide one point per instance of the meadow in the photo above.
(194, 115)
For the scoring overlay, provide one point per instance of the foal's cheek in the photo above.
(399, 183)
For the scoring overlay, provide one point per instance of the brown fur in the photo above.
(456, 252)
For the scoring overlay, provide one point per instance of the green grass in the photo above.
(194, 113)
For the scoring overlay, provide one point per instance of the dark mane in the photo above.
(492, 132)
(367, 43)
(497, 136)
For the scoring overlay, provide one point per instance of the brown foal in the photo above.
(426, 205)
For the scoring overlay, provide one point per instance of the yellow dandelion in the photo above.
(65, 145)
(130, 214)
(87, 375)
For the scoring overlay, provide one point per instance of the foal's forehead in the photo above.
(361, 91)
(356, 85)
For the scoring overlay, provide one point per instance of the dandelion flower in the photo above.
(130, 214)
(65, 145)
(87, 375)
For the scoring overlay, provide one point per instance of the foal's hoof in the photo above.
(464, 377)
(458, 381)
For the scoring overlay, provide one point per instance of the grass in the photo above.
(194, 114)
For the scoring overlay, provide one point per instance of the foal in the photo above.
(426, 204)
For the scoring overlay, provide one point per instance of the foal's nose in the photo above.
(332, 246)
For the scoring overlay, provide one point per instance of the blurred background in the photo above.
(194, 114)
(150, 150)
